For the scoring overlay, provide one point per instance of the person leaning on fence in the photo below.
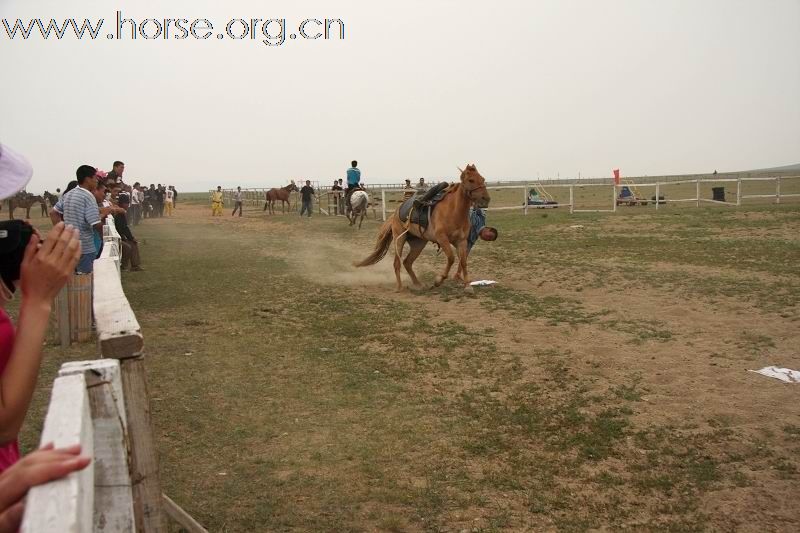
(40, 271)
(81, 212)
(217, 202)
(306, 193)
(106, 208)
(336, 190)
(237, 201)
(131, 260)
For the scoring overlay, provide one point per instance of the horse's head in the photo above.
(292, 187)
(474, 186)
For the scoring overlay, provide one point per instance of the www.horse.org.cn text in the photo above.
(269, 31)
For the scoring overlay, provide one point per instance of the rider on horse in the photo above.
(353, 181)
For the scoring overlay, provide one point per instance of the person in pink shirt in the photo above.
(39, 269)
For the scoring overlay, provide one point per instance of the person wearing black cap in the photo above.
(130, 246)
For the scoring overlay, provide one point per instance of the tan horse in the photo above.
(448, 227)
(281, 194)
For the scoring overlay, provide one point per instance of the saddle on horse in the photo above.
(418, 210)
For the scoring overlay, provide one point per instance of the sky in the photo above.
(523, 89)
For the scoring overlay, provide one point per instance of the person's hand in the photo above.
(36, 468)
(46, 269)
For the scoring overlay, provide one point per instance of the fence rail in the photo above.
(385, 198)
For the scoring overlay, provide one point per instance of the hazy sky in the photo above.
(416, 88)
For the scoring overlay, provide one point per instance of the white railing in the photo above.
(615, 200)
(111, 242)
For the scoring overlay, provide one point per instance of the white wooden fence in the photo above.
(103, 405)
(614, 190)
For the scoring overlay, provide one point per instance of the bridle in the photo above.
(469, 192)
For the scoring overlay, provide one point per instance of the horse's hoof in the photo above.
(439, 280)
(417, 287)
(400, 289)
(469, 289)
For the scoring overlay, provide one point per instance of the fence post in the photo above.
(658, 197)
(383, 204)
(739, 192)
(697, 192)
(614, 197)
(571, 199)
(525, 198)
(63, 317)
(778, 190)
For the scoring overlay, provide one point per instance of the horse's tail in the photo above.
(381, 246)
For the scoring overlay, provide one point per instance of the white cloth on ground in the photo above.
(784, 374)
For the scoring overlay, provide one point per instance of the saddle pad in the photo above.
(419, 215)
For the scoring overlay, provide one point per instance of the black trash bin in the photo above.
(718, 193)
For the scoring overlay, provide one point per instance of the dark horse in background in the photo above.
(281, 194)
(50, 200)
(448, 227)
(25, 200)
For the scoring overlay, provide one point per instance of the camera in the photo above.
(14, 238)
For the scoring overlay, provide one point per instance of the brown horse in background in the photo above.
(281, 194)
(25, 200)
(449, 226)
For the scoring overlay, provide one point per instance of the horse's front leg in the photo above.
(444, 244)
(462, 264)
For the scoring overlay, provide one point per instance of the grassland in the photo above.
(602, 384)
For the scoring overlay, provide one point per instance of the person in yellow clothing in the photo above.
(169, 198)
(216, 202)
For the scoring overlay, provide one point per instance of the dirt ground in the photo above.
(602, 384)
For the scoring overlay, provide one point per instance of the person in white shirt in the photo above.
(237, 201)
(169, 197)
(133, 210)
